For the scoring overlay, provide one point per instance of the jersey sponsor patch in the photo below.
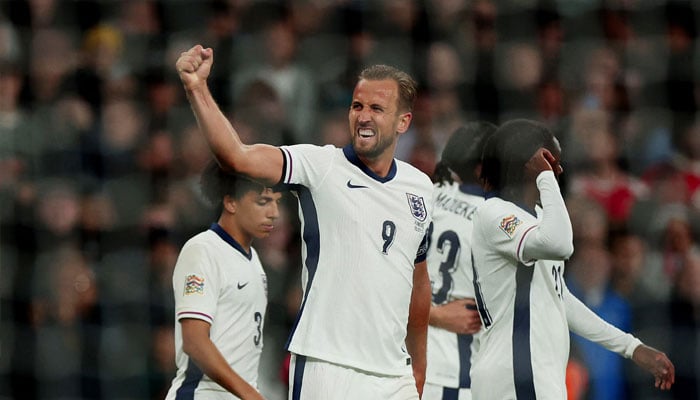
(509, 224)
(194, 285)
(417, 206)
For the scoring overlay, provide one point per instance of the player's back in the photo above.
(450, 270)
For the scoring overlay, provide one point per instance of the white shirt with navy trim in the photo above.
(362, 235)
(526, 309)
(450, 270)
(217, 281)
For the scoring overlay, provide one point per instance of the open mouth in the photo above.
(366, 133)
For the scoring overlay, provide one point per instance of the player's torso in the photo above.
(237, 309)
(517, 301)
(361, 236)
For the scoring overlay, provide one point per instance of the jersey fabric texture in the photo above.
(525, 306)
(217, 281)
(361, 236)
(450, 269)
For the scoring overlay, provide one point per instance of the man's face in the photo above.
(375, 120)
(256, 212)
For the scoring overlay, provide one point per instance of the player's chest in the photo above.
(244, 281)
(365, 198)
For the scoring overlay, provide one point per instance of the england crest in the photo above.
(417, 206)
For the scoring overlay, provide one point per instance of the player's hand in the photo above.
(657, 363)
(541, 161)
(194, 65)
(458, 316)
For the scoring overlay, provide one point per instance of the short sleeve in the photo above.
(306, 164)
(507, 229)
(195, 284)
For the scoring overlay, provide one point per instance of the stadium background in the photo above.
(100, 156)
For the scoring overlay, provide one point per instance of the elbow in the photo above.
(559, 249)
(563, 250)
(226, 162)
(188, 347)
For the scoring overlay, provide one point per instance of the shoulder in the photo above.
(306, 148)
(408, 171)
(498, 213)
(201, 240)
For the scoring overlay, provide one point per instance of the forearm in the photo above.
(218, 131)
(417, 328)
(208, 358)
(458, 316)
(553, 237)
(584, 322)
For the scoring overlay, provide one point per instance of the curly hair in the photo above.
(462, 152)
(508, 150)
(215, 183)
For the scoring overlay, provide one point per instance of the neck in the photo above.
(377, 165)
(236, 232)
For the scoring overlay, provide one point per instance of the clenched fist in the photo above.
(194, 66)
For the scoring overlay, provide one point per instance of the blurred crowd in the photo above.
(100, 159)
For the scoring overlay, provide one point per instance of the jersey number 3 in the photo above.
(447, 244)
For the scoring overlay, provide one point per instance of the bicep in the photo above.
(194, 330)
(259, 161)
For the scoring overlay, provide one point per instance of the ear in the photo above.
(404, 122)
(230, 204)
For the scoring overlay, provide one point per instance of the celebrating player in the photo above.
(362, 327)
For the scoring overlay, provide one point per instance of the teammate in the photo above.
(362, 326)
(221, 293)
(453, 316)
(521, 238)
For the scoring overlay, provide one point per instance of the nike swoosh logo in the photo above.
(241, 286)
(351, 186)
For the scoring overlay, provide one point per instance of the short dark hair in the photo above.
(462, 152)
(509, 148)
(216, 183)
(407, 85)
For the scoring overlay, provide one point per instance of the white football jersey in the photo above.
(524, 346)
(361, 236)
(216, 281)
(450, 269)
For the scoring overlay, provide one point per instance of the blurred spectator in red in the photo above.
(677, 180)
(601, 178)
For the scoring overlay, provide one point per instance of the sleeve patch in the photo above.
(194, 285)
(509, 224)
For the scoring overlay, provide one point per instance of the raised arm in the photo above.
(261, 161)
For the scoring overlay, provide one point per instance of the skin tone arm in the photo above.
(458, 316)
(260, 161)
(417, 329)
(198, 346)
(657, 363)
